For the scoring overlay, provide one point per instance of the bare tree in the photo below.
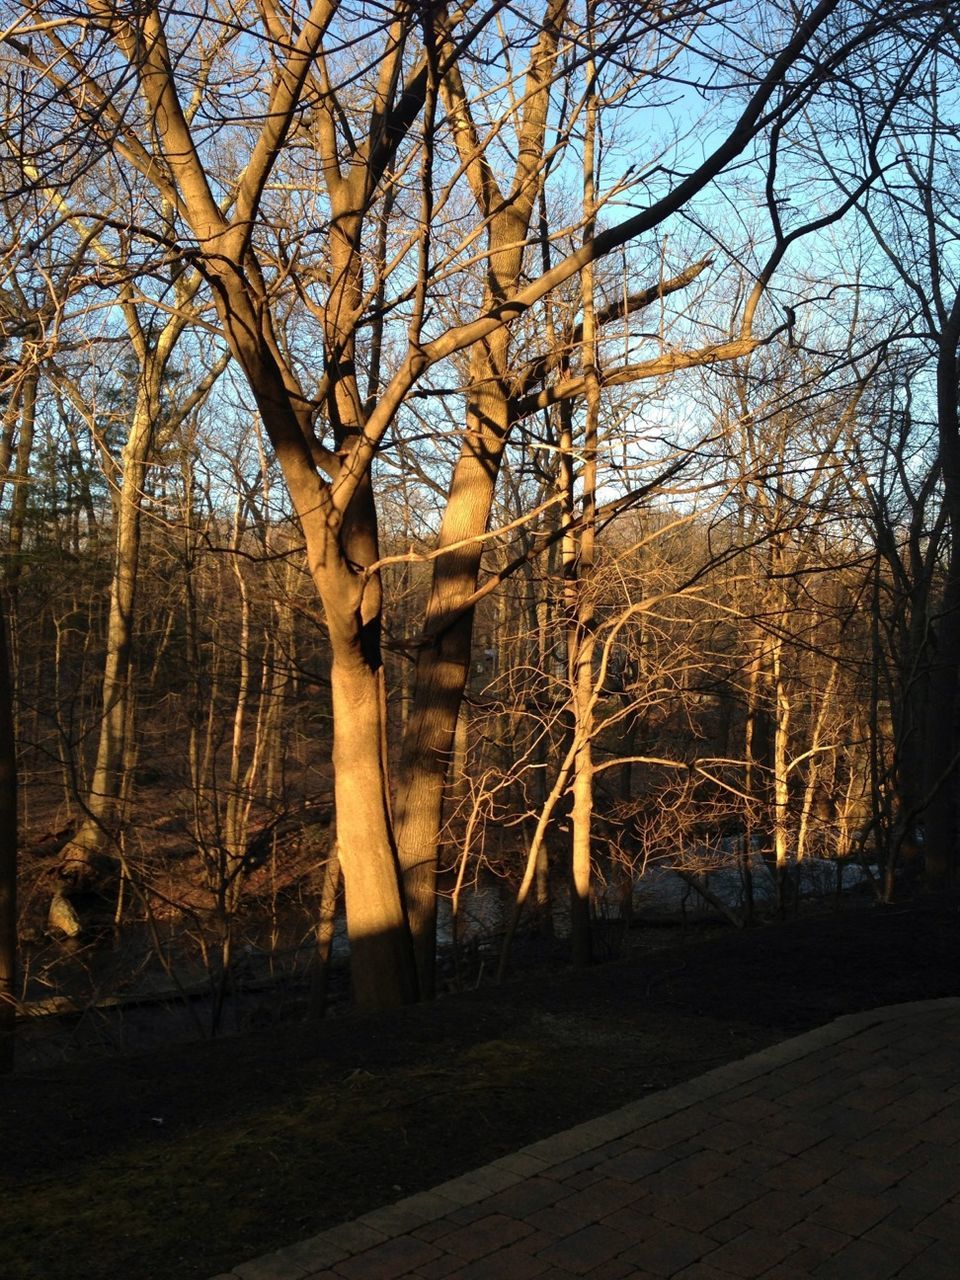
(358, 114)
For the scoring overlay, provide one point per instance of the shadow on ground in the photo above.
(174, 1165)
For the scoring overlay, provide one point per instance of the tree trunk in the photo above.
(583, 620)
(443, 665)
(441, 675)
(8, 860)
(18, 505)
(781, 781)
(382, 967)
(943, 738)
(326, 927)
(82, 856)
(582, 824)
(813, 767)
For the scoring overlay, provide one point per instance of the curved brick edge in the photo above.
(302, 1260)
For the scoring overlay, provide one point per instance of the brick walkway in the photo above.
(836, 1154)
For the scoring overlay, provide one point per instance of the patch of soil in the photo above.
(176, 1165)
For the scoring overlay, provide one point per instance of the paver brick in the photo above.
(772, 1211)
(521, 1162)
(585, 1178)
(815, 1095)
(527, 1196)
(860, 1260)
(708, 1205)
(353, 1237)
(470, 1212)
(938, 1178)
(633, 1221)
(904, 1218)
(883, 1076)
(701, 1271)
(555, 1223)
(534, 1242)
(512, 1263)
(862, 1177)
(906, 1243)
(616, 1269)
(750, 1110)
(728, 1135)
(585, 1249)
(751, 1254)
(388, 1260)
(943, 1127)
(702, 1168)
(846, 1125)
(799, 1174)
(439, 1268)
(920, 1105)
(814, 1066)
(493, 1177)
(430, 1204)
(464, 1192)
(669, 1251)
(394, 1219)
(794, 1138)
(891, 1143)
(639, 1163)
(691, 1172)
(943, 1224)
(484, 1236)
(314, 1254)
(270, 1267)
(624, 1143)
(429, 1231)
(923, 1153)
(564, 1169)
(756, 1156)
(724, 1230)
(665, 1133)
(937, 1262)
(869, 1099)
(849, 1212)
(817, 1241)
(602, 1197)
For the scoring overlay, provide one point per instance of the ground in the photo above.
(176, 1165)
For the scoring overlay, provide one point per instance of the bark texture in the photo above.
(8, 860)
(443, 662)
(942, 830)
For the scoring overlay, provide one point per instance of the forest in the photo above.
(446, 446)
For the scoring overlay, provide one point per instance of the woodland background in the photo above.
(515, 443)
